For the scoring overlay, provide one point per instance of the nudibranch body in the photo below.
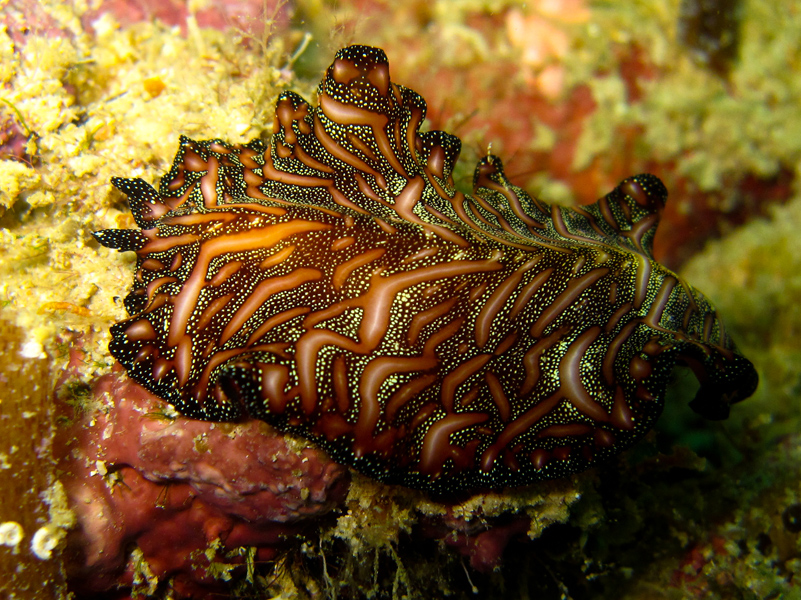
(335, 284)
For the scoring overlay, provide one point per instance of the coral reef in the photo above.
(232, 498)
(605, 90)
(137, 474)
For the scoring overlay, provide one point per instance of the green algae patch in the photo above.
(755, 276)
(94, 107)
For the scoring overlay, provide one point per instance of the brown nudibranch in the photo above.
(335, 284)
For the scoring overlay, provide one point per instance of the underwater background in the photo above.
(574, 95)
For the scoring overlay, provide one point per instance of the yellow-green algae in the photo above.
(712, 129)
(754, 277)
(715, 130)
(50, 281)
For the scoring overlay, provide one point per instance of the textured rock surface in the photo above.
(176, 488)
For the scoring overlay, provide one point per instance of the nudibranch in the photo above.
(335, 284)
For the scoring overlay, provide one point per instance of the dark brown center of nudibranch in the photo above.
(337, 285)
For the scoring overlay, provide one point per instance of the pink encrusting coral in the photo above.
(163, 500)
(176, 488)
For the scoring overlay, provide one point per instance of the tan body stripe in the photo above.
(496, 302)
(264, 290)
(263, 237)
(562, 302)
(343, 271)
